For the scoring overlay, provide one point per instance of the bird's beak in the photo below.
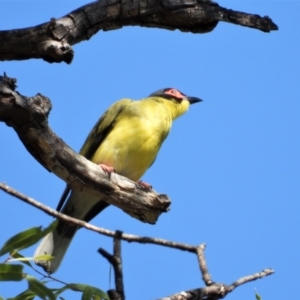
(193, 100)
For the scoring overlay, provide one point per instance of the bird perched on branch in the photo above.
(126, 139)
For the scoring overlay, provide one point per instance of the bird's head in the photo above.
(176, 101)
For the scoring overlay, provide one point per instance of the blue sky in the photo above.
(231, 165)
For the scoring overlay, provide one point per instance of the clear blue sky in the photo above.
(231, 165)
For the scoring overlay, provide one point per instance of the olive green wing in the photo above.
(103, 127)
(97, 135)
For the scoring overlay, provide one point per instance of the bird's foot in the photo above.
(144, 185)
(107, 169)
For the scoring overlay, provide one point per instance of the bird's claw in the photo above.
(107, 169)
(144, 185)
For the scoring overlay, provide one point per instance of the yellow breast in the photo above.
(133, 143)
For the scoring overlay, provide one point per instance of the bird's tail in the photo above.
(79, 205)
(56, 244)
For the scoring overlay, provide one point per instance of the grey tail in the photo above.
(56, 244)
(78, 205)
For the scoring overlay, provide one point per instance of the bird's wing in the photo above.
(63, 198)
(102, 128)
(96, 136)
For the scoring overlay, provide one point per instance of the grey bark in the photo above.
(29, 118)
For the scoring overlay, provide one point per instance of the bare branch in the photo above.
(211, 292)
(118, 265)
(216, 290)
(202, 264)
(28, 117)
(52, 41)
(249, 278)
(80, 223)
(116, 261)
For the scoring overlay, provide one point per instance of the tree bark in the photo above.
(52, 41)
(29, 118)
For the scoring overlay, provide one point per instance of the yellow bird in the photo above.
(126, 139)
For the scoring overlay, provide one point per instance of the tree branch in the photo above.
(212, 291)
(202, 264)
(52, 41)
(216, 290)
(103, 231)
(116, 261)
(29, 118)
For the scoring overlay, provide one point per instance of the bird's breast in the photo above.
(133, 143)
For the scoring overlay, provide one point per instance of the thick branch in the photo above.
(28, 117)
(52, 41)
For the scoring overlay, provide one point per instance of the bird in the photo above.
(126, 140)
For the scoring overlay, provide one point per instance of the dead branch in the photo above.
(29, 118)
(116, 261)
(214, 290)
(202, 265)
(52, 41)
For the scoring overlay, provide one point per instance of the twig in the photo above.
(103, 231)
(118, 265)
(245, 279)
(202, 264)
(116, 261)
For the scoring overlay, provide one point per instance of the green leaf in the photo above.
(26, 238)
(26, 295)
(21, 240)
(39, 288)
(99, 293)
(21, 258)
(11, 272)
(87, 294)
(59, 291)
(95, 291)
(257, 296)
(78, 286)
